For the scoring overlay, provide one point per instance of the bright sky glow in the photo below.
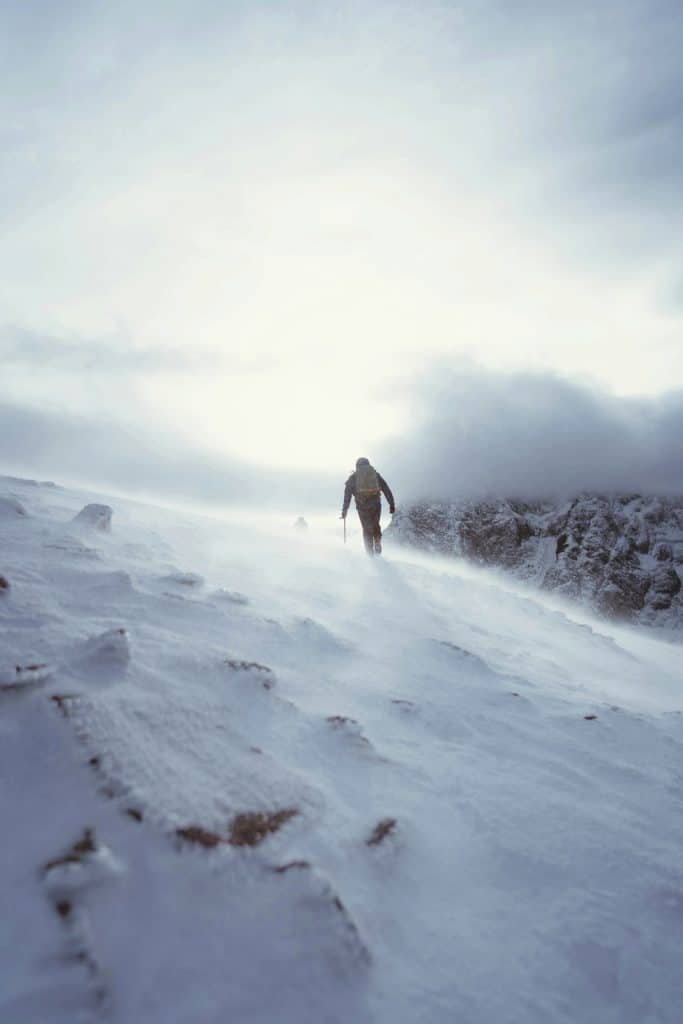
(310, 203)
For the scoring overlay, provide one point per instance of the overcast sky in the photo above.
(243, 229)
(485, 433)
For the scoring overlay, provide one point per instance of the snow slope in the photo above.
(474, 800)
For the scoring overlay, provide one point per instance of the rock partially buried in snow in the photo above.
(349, 728)
(249, 828)
(252, 827)
(184, 579)
(382, 829)
(258, 672)
(10, 507)
(103, 657)
(85, 863)
(95, 517)
(230, 596)
(23, 675)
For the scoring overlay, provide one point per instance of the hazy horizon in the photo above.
(250, 240)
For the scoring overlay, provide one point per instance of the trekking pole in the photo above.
(344, 518)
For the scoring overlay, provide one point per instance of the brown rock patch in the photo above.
(75, 854)
(382, 829)
(200, 836)
(251, 828)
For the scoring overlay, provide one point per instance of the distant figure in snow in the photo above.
(301, 524)
(365, 485)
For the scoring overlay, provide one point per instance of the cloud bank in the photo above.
(479, 433)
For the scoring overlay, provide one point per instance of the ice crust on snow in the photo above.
(477, 795)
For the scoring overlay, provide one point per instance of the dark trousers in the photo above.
(372, 532)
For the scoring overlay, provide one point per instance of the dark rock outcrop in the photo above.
(618, 554)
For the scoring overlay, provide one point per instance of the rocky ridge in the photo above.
(620, 555)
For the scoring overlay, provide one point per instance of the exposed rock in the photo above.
(64, 701)
(95, 517)
(184, 579)
(251, 828)
(200, 836)
(231, 596)
(75, 854)
(666, 584)
(292, 865)
(247, 829)
(382, 829)
(19, 677)
(616, 554)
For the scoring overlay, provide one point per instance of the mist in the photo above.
(133, 459)
(478, 433)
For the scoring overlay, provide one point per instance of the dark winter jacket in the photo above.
(366, 503)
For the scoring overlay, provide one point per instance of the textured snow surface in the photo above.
(248, 774)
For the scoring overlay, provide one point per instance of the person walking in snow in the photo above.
(365, 486)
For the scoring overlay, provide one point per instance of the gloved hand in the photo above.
(392, 510)
(343, 515)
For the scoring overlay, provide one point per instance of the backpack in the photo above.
(367, 482)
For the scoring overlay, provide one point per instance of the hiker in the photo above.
(365, 486)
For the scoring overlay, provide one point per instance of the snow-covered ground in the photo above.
(249, 775)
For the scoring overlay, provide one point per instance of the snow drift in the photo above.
(256, 776)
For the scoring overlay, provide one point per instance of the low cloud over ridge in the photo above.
(480, 433)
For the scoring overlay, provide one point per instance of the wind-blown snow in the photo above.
(466, 804)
